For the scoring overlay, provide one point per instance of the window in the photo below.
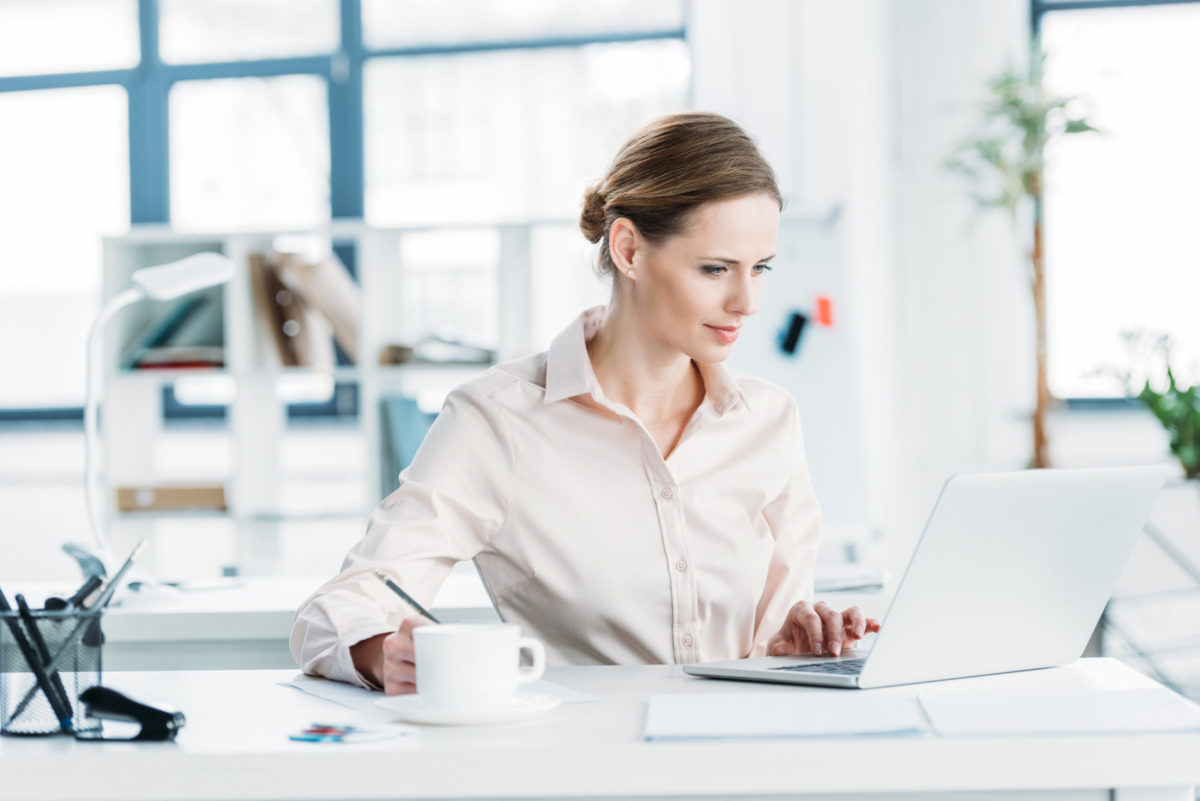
(61, 36)
(249, 114)
(515, 134)
(234, 30)
(406, 23)
(1122, 248)
(249, 153)
(65, 184)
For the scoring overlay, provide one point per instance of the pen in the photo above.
(107, 594)
(43, 655)
(39, 672)
(394, 587)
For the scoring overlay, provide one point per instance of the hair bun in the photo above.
(591, 220)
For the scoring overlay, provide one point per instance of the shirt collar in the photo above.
(569, 369)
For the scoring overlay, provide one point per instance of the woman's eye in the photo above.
(714, 269)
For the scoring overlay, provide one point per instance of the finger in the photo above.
(399, 688)
(410, 623)
(831, 621)
(778, 645)
(399, 646)
(803, 627)
(872, 625)
(854, 621)
(400, 673)
(811, 628)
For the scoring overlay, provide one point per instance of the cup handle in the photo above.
(537, 652)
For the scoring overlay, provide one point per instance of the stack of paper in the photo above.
(803, 713)
(956, 712)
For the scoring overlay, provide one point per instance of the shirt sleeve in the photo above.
(794, 517)
(451, 501)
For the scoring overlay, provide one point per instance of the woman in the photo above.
(626, 497)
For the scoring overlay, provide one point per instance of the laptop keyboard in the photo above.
(843, 666)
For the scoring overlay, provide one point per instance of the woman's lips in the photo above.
(726, 335)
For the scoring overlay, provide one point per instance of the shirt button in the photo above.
(686, 640)
(681, 565)
(667, 494)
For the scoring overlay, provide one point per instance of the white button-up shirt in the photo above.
(582, 532)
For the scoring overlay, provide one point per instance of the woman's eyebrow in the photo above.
(735, 261)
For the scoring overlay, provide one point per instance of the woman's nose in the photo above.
(745, 296)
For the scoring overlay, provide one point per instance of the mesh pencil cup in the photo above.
(73, 641)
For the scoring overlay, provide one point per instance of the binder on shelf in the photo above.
(186, 333)
(301, 335)
(327, 287)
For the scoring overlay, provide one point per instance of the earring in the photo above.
(629, 274)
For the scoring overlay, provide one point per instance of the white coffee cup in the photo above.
(474, 666)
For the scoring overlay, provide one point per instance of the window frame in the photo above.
(1037, 10)
(148, 86)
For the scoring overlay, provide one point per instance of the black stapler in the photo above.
(106, 703)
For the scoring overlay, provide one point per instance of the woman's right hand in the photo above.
(390, 659)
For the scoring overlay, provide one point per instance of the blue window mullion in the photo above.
(257, 68)
(149, 182)
(64, 80)
(346, 171)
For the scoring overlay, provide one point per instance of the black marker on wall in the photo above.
(789, 338)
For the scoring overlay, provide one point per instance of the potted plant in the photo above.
(1151, 379)
(1004, 165)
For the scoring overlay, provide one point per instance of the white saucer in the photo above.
(415, 709)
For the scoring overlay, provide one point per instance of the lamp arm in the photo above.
(91, 411)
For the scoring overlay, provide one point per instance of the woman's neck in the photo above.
(655, 380)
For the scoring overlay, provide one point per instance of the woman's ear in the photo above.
(623, 241)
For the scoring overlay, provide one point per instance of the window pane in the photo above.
(511, 134)
(65, 184)
(249, 153)
(450, 286)
(1123, 239)
(400, 23)
(41, 37)
(232, 30)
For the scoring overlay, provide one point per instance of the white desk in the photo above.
(246, 625)
(235, 747)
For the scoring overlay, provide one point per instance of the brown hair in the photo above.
(668, 169)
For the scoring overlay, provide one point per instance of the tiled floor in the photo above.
(41, 506)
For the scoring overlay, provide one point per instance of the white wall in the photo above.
(818, 113)
(965, 345)
(857, 104)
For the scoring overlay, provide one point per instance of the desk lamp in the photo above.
(164, 282)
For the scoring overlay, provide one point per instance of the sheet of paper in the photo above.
(363, 700)
(955, 712)
(809, 713)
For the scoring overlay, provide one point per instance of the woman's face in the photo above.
(695, 289)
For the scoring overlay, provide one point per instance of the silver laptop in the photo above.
(1011, 573)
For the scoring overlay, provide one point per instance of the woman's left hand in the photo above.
(820, 630)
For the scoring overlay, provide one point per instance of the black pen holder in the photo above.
(73, 641)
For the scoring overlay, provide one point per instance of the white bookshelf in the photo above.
(410, 279)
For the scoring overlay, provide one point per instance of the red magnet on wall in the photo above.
(824, 311)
